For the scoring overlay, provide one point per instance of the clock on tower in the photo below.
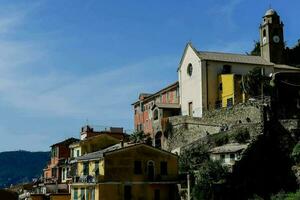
(271, 37)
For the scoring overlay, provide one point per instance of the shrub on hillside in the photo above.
(296, 153)
(241, 135)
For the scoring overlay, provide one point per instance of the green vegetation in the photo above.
(286, 196)
(253, 81)
(210, 173)
(140, 137)
(296, 153)
(206, 173)
(21, 166)
(241, 135)
(256, 49)
(220, 138)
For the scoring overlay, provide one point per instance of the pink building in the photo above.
(151, 111)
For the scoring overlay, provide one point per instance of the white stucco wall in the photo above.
(202, 87)
(190, 86)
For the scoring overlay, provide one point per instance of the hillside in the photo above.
(21, 166)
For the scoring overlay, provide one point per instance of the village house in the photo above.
(60, 153)
(228, 154)
(152, 110)
(126, 171)
(212, 80)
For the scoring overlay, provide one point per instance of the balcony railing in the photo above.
(85, 179)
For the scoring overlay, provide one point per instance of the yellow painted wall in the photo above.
(97, 143)
(37, 197)
(91, 168)
(227, 82)
(119, 166)
(87, 190)
(60, 197)
(230, 89)
(138, 191)
(117, 169)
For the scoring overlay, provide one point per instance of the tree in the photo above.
(256, 50)
(209, 174)
(296, 153)
(140, 137)
(253, 81)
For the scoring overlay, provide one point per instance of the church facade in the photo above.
(209, 80)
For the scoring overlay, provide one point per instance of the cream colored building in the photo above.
(126, 171)
(198, 71)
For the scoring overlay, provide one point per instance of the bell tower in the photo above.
(271, 37)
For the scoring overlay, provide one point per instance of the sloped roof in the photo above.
(158, 92)
(280, 66)
(232, 58)
(66, 142)
(229, 148)
(100, 154)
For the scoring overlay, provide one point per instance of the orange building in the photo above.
(60, 152)
(151, 110)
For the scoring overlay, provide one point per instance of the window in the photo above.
(137, 167)
(190, 108)
(226, 69)
(190, 69)
(96, 168)
(223, 157)
(150, 170)
(232, 156)
(75, 194)
(82, 193)
(127, 192)
(264, 33)
(86, 194)
(155, 114)
(85, 168)
(157, 140)
(229, 102)
(54, 152)
(93, 194)
(77, 153)
(63, 174)
(156, 194)
(54, 172)
(163, 168)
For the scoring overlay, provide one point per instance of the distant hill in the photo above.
(21, 166)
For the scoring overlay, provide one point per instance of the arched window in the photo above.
(150, 170)
(190, 69)
(155, 114)
(264, 33)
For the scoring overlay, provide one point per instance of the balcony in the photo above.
(86, 179)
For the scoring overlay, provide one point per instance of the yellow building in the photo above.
(230, 92)
(131, 173)
(88, 145)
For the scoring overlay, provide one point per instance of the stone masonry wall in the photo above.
(186, 129)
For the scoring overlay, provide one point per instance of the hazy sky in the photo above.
(63, 62)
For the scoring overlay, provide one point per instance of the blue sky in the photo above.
(65, 61)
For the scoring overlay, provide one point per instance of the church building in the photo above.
(210, 80)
